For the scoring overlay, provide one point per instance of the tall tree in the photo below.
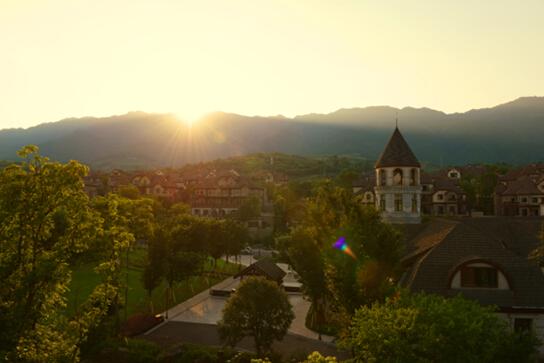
(250, 209)
(260, 309)
(235, 235)
(331, 278)
(46, 222)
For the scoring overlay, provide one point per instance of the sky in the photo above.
(75, 58)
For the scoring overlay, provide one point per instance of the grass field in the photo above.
(84, 280)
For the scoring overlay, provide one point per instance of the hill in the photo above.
(510, 133)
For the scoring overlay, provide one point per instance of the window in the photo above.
(524, 212)
(398, 202)
(452, 210)
(524, 200)
(534, 200)
(414, 204)
(197, 212)
(523, 324)
(413, 177)
(382, 202)
(472, 276)
(440, 196)
(397, 177)
(440, 210)
(383, 178)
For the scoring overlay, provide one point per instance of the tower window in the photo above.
(398, 202)
(382, 177)
(397, 177)
(413, 177)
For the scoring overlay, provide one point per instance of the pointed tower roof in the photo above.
(397, 153)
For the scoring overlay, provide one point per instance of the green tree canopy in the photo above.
(431, 328)
(250, 209)
(336, 283)
(260, 309)
(46, 223)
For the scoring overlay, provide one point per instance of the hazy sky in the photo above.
(63, 58)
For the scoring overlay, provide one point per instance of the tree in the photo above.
(431, 328)
(308, 262)
(260, 309)
(316, 357)
(250, 209)
(336, 283)
(346, 178)
(46, 223)
(235, 236)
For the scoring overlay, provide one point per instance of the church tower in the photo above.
(398, 187)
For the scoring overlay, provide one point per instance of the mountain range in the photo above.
(512, 133)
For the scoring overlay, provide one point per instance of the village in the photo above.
(467, 229)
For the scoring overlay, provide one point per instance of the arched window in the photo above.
(413, 176)
(397, 177)
(479, 274)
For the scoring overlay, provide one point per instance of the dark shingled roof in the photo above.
(397, 153)
(436, 253)
(523, 185)
(264, 267)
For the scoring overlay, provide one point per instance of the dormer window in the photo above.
(479, 274)
(479, 277)
(453, 174)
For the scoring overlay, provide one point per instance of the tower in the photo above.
(398, 187)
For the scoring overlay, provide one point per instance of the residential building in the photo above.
(483, 259)
(222, 193)
(521, 192)
(441, 194)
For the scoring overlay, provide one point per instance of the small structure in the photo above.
(398, 186)
(263, 267)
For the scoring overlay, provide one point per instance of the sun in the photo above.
(188, 119)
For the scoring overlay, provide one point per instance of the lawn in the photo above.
(84, 280)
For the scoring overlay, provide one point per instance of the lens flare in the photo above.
(343, 246)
